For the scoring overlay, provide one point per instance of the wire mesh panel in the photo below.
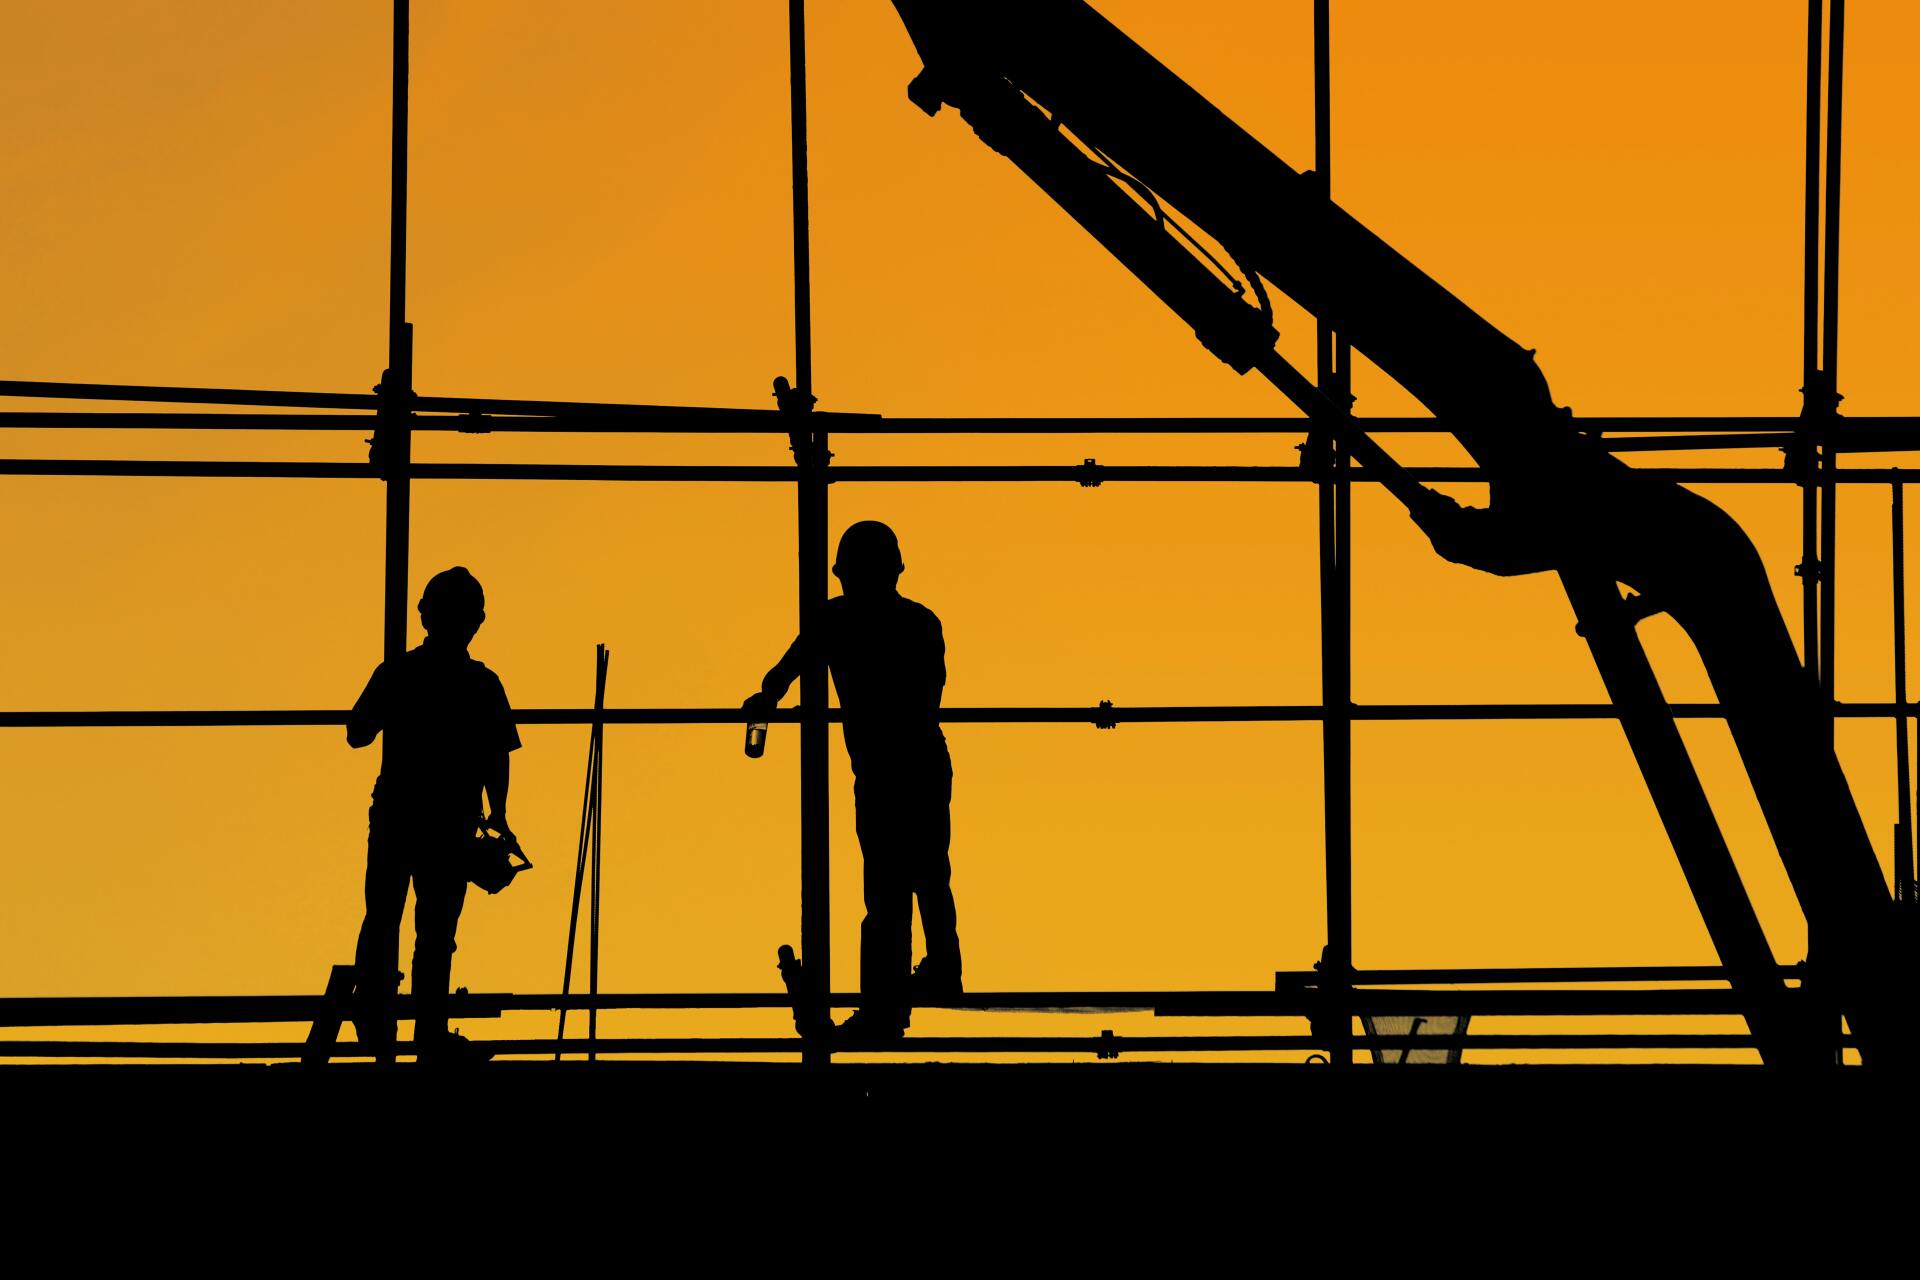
(1449, 1034)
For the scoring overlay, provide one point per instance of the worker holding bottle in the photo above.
(888, 660)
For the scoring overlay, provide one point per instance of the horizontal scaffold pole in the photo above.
(704, 1045)
(478, 413)
(1368, 996)
(1087, 475)
(1280, 714)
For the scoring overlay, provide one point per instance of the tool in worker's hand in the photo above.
(812, 1021)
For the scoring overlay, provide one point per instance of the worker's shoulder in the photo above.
(463, 668)
(843, 611)
(919, 613)
(482, 674)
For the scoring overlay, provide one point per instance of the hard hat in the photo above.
(453, 592)
(868, 547)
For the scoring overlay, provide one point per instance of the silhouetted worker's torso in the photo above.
(444, 721)
(889, 664)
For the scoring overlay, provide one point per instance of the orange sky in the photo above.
(196, 194)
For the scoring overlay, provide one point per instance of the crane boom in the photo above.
(1115, 138)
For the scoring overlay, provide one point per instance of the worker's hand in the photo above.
(759, 706)
(1447, 526)
(1482, 538)
(498, 822)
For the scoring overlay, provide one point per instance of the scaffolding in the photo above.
(1332, 995)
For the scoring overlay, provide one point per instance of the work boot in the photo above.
(932, 983)
(870, 1027)
(447, 1049)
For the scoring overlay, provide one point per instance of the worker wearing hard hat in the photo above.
(888, 659)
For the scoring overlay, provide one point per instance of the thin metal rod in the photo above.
(593, 927)
(1809, 566)
(397, 231)
(588, 821)
(188, 395)
(1083, 475)
(810, 545)
(392, 438)
(1864, 434)
(1829, 579)
(1287, 1001)
(1813, 396)
(1810, 262)
(1336, 692)
(482, 414)
(1903, 868)
(1830, 269)
(802, 252)
(1829, 376)
(911, 1045)
(1269, 714)
(80, 1011)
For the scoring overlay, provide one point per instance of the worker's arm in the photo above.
(937, 668)
(369, 716)
(778, 680)
(496, 784)
(1483, 538)
(494, 779)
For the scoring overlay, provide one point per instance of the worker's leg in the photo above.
(439, 892)
(933, 885)
(376, 957)
(886, 934)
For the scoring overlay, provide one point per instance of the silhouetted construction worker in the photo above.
(448, 730)
(888, 660)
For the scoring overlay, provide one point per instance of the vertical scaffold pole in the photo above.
(810, 456)
(1820, 389)
(1813, 398)
(1902, 760)
(393, 432)
(1830, 367)
(599, 809)
(1336, 692)
(1830, 269)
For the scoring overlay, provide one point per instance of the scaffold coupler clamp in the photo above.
(1800, 456)
(1316, 455)
(1324, 1019)
(1089, 473)
(1819, 414)
(1103, 717)
(395, 411)
(1820, 399)
(804, 443)
(1109, 1049)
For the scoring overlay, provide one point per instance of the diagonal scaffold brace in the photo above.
(586, 870)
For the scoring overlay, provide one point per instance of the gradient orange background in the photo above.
(196, 194)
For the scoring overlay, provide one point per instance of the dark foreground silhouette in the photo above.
(888, 659)
(447, 730)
